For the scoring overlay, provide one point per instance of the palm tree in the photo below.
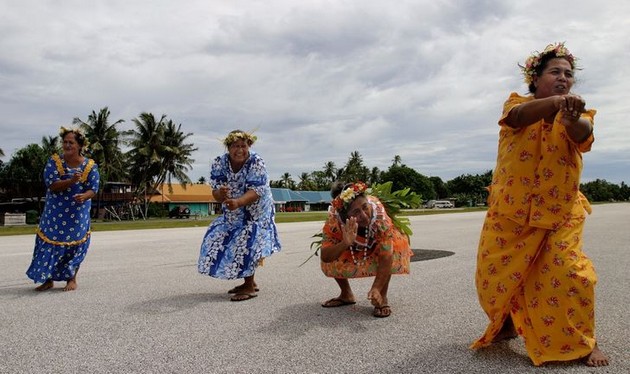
(287, 181)
(104, 144)
(176, 159)
(375, 176)
(144, 157)
(158, 154)
(397, 160)
(1, 153)
(50, 145)
(330, 171)
(306, 183)
(355, 170)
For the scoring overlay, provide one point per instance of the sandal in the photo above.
(237, 289)
(243, 296)
(382, 311)
(337, 302)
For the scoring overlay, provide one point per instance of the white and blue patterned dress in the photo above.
(63, 235)
(237, 240)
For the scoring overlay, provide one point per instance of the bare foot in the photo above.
(507, 331)
(45, 286)
(242, 287)
(71, 285)
(596, 358)
(375, 297)
(382, 311)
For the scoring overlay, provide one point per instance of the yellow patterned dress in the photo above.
(382, 237)
(530, 263)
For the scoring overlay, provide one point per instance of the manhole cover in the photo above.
(429, 254)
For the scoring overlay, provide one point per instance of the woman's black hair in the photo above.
(335, 190)
(337, 187)
(543, 64)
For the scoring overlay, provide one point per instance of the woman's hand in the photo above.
(571, 106)
(83, 197)
(232, 204)
(222, 194)
(349, 231)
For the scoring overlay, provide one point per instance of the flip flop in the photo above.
(238, 288)
(337, 302)
(243, 296)
(382, 311)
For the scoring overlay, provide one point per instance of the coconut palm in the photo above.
(104, 144)
(50, 145)
(176, 154)
(287, 181)
(158, 154)
(306, 182)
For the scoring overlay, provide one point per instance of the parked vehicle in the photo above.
(181, 211)
(438, 204)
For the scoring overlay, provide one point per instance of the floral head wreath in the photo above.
(533, 61)
(239, 135)
(348, 194)
(64, 130)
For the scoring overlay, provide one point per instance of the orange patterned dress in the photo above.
(385, 238)
(530, 263)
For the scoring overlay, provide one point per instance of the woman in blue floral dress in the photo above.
(63, 235)
(237, 241)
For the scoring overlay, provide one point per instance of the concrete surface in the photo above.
(141, 307)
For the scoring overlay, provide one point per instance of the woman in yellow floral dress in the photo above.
(360, 240)
(532, 277)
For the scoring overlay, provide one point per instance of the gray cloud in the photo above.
(425, 80)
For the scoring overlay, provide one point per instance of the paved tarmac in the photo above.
(141, 307)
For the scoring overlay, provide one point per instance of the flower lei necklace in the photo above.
(369, 240)
(533, 61)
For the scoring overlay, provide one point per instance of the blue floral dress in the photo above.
(238, 240)
(63, 235)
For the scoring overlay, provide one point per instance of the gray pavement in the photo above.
(141, 307)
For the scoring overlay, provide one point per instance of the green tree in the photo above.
(600, 190)
(176, 156)
(470, 188)
(306, 183)
(355, 170)
(405, 177)
(375, 176)
(287, 181)
(320, 181)
(23, 175)
(440, 187)
(50, 145)
(104, 145)
(158, 154)
(624, 192)
(330, 172)
(397, 161)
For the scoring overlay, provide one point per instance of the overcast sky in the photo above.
(317, 80)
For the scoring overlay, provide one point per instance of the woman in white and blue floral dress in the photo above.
(63, 235)
(238, 240)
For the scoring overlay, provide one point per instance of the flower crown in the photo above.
(64, 130)
(533, 61)
(239, 135)
(348, 194)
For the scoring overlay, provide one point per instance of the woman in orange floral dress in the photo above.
(360, 240)
(532, 277)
